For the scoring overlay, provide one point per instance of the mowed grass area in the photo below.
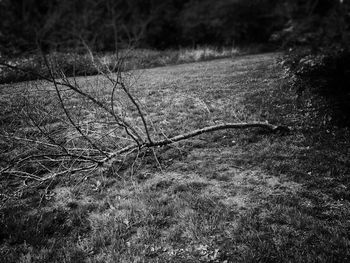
(81, 64)
(228, 196)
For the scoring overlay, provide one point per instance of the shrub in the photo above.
(325, 74)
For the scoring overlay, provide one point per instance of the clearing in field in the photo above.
(226, 196)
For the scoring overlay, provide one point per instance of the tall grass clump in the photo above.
(205, 53)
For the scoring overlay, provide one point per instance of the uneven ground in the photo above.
(229, 196)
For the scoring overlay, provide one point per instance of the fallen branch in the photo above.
(102, 158)
(244, 125)
(218, 127)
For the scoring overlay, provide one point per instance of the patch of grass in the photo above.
(229, 196)
(76, 64)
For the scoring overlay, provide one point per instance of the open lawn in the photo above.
(226, 196)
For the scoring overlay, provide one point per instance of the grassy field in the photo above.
(81, 64)
(228, 196)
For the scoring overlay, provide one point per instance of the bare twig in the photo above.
(115, 83)
(138, 109)
(70, 171)
(123, 123)
(67, 112)
(24, 175)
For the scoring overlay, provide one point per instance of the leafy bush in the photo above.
(326, 74)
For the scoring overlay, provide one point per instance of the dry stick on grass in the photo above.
(125, 89)
(181, 137)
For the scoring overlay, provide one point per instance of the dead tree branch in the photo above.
(181, 137)
(70, 158)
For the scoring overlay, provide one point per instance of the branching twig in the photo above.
(138, 109)
(67, 112)
(122, 123)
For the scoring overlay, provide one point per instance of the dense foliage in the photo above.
(54, 24)
(322, 81)
(152, 23)
(319, 58)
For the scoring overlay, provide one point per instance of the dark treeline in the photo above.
(62, 24)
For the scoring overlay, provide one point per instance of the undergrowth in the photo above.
(326, 74)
